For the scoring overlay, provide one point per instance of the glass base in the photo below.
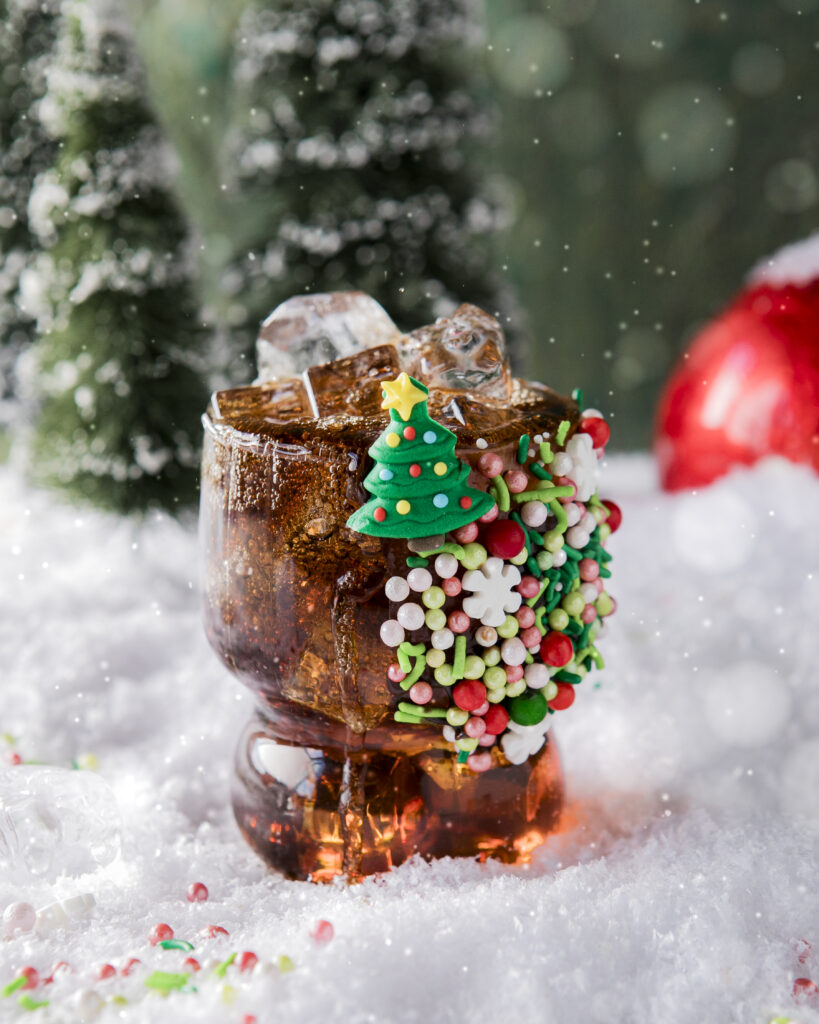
(320, 813)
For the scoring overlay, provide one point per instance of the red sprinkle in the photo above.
(466, 534)
(515, 672)
(322, 931)
(496, 719)
(160, 933)
(380, 514)
(469, 694)
(32, 976)
(615, 516)
(557, 649)
(192, 964)
(106, 971)
(415, 469)
(249, 1018)
(61, 967)
(409, 433)
(803, 950)
(129, 966)
(197, 892)
(212, 931)
(597, 429)
(452, 586)
(458, 621)
(395, 673)
(465, 502)
(246, 961)
(564, 698)
(805, 989)
(504, 538)
(14, 758)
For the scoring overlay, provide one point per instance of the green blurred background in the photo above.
(651, 151)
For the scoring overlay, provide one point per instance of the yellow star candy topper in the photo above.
(402, 394)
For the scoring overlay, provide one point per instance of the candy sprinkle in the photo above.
(165, 981)
(562, 431)
(523, 449)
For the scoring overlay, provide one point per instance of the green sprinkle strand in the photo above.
(572, 553)
(501, 493)
(577, 395)
(176, 944)
(404, 662)
(540, 472)
(417, 562)
(12, 986)
(523, 449)
(545, 494)
(534, 600)
(449, 548)
(165, 981)
(462, 756)
(413, 677)
(459, 661)
(562, 431)
(560, 514)
(28, 1003)
(539, 620)
(533, 567)
(546, 454)
(406, 719)
(416, 709)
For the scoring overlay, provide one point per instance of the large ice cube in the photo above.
(309, 330)
(466, 351)
(352, 386)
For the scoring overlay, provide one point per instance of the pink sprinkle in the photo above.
(525, 616)
(213, 931)
(491, 465)
(516, 480)
(467, 533)
(487, 740)
(475, 727)
(32, 976)
(480, 762)
(106, 971)
(589, 570)
(458, 621)
(599, 584)
(197, 892)
(160, 933)
(322, 931)
(452, 586)
(14, 758)
(490, 516)
(420, 693)
(528, 587)
(129, 966)
(589, 614)
(395, 673)
(531, 637)
(482, 709)
(246, 961)
(192, 964)
(515, 672)
(60, 968)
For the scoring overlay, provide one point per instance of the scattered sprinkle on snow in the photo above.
(685, 879)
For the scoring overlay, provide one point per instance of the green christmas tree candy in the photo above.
(418, 483)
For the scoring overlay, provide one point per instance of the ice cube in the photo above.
(466, 351)
(283, 400)
(54, 821)
(351, 385)
(309, 330)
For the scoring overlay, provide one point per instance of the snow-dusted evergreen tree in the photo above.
(27, 33)
(120, 395)
(354, 121)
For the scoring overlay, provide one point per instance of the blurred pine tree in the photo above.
(353, 123)
(117, 366)
(27, 33)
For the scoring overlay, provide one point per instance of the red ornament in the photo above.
(322, 931)
(496, 719)
(380, 514)
(415, 469)
(409, 433)
(160, 933)
(213, 931)
(564, 698)
(597, 429)
(197, 892)
(615, 515)
(465, 502)
(246, 961)
(469, 694)
(192, 964)
(557, 649)
(747, 387)
(504, 538)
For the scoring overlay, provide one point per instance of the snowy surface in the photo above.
(680, 890)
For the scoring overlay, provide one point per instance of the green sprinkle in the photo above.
(420, 665)
(285, 964)
(463, 755)
(176, 944)
(529, 658)
(407, 719)
(526, 539)
(546, 494)
(12, 986)
(572, 553)
(404, 662)
(412, 649)
(221, 970)
(459, 661)
(539, 620)
(574, 628)
(562, 431)
(595, 500)
(543, 588)
(577, 395)
(31, 1004)
(501, 493)
(533, 567)
(546, 452)
(540, 472)
(448, 548)
(604, 572)
(165, 982)
(417, 562)
(415, 709)
(560, 514)
(523, 449)
(567, 677)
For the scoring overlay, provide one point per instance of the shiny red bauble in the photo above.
(469, 694)
(564, 698)
(496, 720)
(504, 538)
(597, 429)
(557, 649)
(747, 387)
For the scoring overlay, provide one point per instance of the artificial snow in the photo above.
(683, 887)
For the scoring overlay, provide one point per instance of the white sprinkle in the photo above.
(481, 443)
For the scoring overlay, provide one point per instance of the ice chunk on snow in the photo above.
(308, 330)
(466, 351)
